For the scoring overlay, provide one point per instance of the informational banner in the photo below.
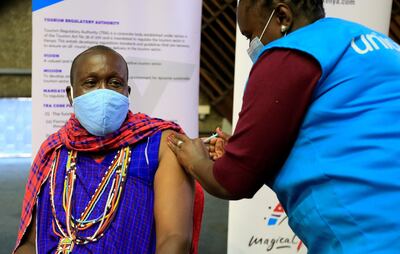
(259, 225)
(371, 13)
(160, 40)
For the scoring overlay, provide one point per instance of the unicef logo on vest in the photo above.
(371, 42)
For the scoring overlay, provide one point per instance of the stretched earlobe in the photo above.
(70, 94)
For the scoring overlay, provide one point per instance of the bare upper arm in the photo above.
(28, 242)
(174, 195)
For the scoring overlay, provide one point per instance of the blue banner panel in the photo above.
(39, 4)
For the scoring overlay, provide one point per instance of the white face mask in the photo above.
(256, 45)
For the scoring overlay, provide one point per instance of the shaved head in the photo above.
(97, 48)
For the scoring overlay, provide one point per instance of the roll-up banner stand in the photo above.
(259, 225)
(160, 40)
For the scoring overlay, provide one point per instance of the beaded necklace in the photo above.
(70, 237)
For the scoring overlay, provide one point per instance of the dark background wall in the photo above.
(15, 46)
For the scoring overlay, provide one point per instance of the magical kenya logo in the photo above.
(275, 218)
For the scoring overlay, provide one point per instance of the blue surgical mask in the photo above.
(101, 111)
(256, 45)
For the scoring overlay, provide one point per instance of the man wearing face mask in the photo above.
(106, 182)
(319, 125)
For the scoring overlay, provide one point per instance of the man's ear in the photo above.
(69, 94)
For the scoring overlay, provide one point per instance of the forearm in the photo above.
(28, 243)
(174, 244)
(202, 171)
(26, 248)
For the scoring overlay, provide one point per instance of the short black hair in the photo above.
(311, 9)
(95, 48)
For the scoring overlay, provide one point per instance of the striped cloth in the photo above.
(74, 137)
(132, 229)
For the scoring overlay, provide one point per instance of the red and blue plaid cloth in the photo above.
(135, 128)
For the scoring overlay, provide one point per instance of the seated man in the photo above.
(106, 182)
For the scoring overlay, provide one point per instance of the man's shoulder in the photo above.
(51, 142)
(144, 117)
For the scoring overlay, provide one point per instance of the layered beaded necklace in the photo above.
(69, 236)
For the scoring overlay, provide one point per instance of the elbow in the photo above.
(234, 184)
(241, 195)
(237, 194)
(239, 191)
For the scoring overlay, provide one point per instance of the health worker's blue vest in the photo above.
(340, 185)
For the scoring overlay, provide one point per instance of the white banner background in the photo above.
(257, 225)
(159, 39)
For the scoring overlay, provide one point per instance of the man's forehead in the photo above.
(91, 61)
(96, 57)
(99, 54)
